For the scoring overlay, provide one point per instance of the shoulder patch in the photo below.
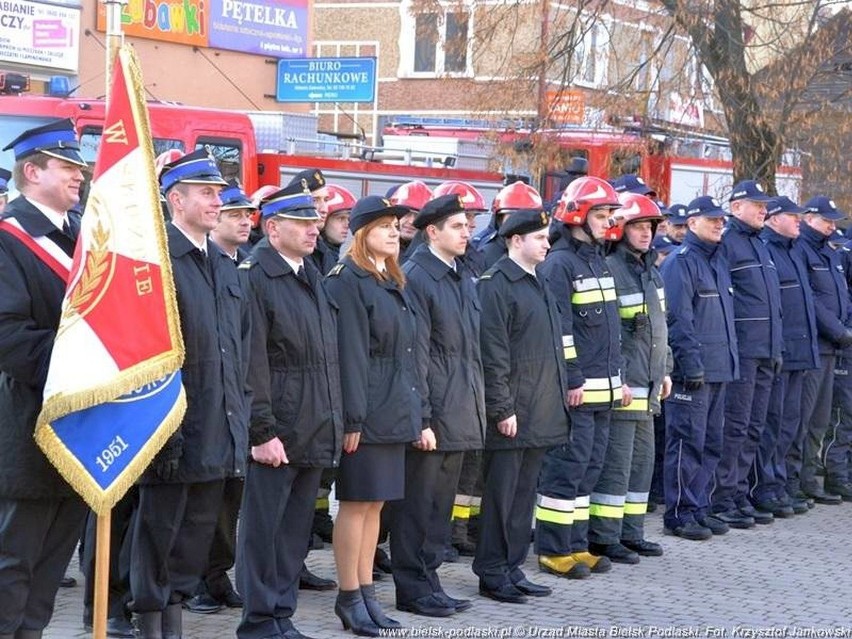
(336, 269)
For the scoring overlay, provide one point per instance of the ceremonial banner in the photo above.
(113, 394)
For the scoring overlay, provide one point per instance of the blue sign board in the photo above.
(326, 80)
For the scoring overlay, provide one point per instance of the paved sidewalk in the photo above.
(792, 578)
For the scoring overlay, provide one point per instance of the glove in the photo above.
(693, 383)
(167, 461)
(845, 339)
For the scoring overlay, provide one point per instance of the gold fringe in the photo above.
(147, 372)
(102, 500)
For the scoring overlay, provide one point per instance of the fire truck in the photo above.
(677, 165)
(259, 148)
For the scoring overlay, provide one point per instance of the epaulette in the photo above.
(336, 269)
(246, 263)
(486, 276)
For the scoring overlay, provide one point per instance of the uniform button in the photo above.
(230, 413)
(413, 388)
(404, 308)
(408, 349)
(223, 350)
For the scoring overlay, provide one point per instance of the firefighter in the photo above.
(296, 424)
(516, 196)
(336, 228)
(801, 354)
(757, 317)
(41, 517)
(620, 498)
(522, 357)
(474, 205)
(447, 312)
(700, 315)
(413, 196)
(180, 495)
(831, 303)
(582, 285)
(318, 187)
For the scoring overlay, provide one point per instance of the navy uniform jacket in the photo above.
(582, 284)
(448, 355)
(664, 243)
(644, 333)
(378, 370)
(294, 367)
(828, 283)
(325, 256)
(757, 300)
(212, 440)
(801, 351)
(30, 307)
(521, 338)
(700, 312)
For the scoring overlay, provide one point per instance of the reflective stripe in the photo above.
(600, 383)
(607, 282)
(632, 299)
(581, 514)
(567, 340)
(565, 505)
(475, 509)
(582, 502)
(637, 498)
(553, 516)
(570, 352)
(629, 312)
(586, 284)
(635, 509)
(640, 400)
(321, 503)
(592, 297)
(475, 502)
(461, 512)
(607, 500)
(610, 512)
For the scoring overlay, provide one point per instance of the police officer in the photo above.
(704, 347)
(216, 590)
(620, 498)
(801, 354)
(581, 282)
(296, 414)
(521, 340)
(631, 183)
(831, 303)
(515, 196)
(448, 358)
(180, 496)
(675, 230)
(757, 317)
(40, 515)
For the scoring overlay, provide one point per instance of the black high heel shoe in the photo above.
(374, 609)
(352, 611)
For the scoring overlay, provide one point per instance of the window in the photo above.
(228, 155)
(440, 43)
(590, 55)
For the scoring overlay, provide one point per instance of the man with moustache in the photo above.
(296, 426)
(704, 347)
(180, 495)
(41, 517)
(450, 366)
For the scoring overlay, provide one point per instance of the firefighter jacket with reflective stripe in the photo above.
(798, 327)
(644, 333)
(757, 300)
(582, 284)
(700, 312)
(828, 283)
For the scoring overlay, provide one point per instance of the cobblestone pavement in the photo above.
(788, 579)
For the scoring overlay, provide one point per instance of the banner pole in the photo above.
(114, 38)
(99, 619)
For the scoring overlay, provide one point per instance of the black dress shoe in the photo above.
(691, 530)
(292, 633)
(844, 490)
(67, 582)
(643, 547)
(617, 553)
(427, 606)
(310, 581)
(202, 604)
(382, 561)
(532, 590)
(822, 497)
(774, 506)
(232, 599)
(459, 604)
(735, 519)
(760, 516)
(506, 592)
(716, 525)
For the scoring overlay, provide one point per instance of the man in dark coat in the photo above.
(447, 312)
(296, 416)
(521, 338)
(40, 515)
(180, 496)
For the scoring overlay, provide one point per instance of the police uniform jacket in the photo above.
(757, 300)
(828, 283)
(294, 365)
(644, 332)
(801, 351)
(521, 340)
(448, 355)
(378, 370)
(664, 242)
(582, 284)
(30, 307)
(700, 312)
(212, 441)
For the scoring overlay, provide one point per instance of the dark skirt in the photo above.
(374, 472)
